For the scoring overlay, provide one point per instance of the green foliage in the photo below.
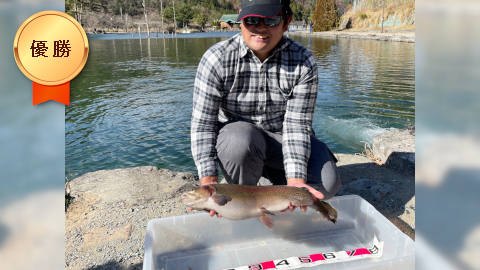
(300, 13)
(325, 16)
(184, 13)
(216, 23)
(297, 10)
(362, 16)
(307, 14)
(129, 7)
(168, 13)
(201, 19)
(210, 4)
(70, 7)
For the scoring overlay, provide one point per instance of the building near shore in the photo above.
(229, 21)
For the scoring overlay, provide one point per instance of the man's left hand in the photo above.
(298, 182)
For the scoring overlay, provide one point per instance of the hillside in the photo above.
(395, 18)
(128, 15)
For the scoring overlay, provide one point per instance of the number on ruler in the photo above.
(329, 256)
(374, 250)
(305, 259)
(282, 262)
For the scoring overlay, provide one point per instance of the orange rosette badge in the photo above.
(51, 48)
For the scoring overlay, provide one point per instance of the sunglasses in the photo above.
(274, 21)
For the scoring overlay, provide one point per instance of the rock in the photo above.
(402, 162)
(342, 191)
(346, 24)
(408, 216)
(134, 186)
(264, 182)
(380, 191)
(361, 185)
(352, 160)
(367, 188)
(396, 149)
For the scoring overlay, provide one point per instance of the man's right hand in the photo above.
(209, 180)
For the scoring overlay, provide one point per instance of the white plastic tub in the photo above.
(202, 242)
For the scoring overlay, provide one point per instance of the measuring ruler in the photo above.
(318, 259)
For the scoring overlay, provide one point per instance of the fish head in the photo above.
(197, 197)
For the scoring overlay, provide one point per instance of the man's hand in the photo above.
(209, 180)
(298, 182)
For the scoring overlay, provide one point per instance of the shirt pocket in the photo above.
(286, 92)
(287, 78)
(277, 102)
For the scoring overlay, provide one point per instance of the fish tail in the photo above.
(325, 209)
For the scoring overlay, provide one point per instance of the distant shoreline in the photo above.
(406, 36)
(389, 35)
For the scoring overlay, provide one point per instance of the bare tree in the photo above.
(161, 10)
(174, 20)
(80, 14)
(126, 22)
(146, 19)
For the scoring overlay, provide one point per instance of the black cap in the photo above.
(262, 8)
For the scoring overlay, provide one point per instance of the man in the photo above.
(253, 105)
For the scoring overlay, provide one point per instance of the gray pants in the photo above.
(246, 153)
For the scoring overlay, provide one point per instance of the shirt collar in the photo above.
(244, 49)
(282, 44)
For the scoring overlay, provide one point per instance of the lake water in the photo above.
(131, 105)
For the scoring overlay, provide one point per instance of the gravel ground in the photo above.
(111, 236)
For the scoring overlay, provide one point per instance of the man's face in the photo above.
(261, 39)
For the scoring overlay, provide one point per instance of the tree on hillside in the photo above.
(297, 10)
(184, 14)
(168, 13)
(307, 14)
(325, 16)
(70, 8)
(210, 4)
(201, 19)
(342, 6)
(133, 8)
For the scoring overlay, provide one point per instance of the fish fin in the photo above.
(265, 211)
(221, 199)
(267, 221)
(209, 188)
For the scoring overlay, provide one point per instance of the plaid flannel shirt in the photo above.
(278, 95)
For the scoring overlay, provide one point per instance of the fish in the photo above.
(240, 202)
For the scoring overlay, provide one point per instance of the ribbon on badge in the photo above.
(59, 93)
(50, 48)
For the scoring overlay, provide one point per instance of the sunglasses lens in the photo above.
(272, 21)
(252, 20)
